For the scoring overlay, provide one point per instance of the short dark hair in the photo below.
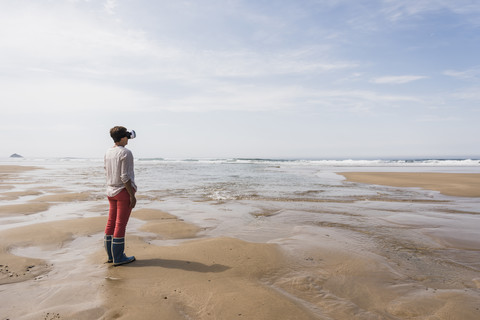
(117, 133)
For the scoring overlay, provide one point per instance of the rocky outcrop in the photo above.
(16, 155)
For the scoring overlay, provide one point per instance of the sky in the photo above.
(323, 79)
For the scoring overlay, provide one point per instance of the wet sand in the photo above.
(203, 278)
(57, 269)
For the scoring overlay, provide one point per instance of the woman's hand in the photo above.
(131, 192)
(133, 201)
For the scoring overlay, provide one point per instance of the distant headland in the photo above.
(16, 155)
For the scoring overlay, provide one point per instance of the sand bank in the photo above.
(41, 203)
(38, 200)
(52, 235)
(164, 225)
(24, 208)
(212, 278)
(215, 278)
(58, 280)
(6, 169)
(9, 171)
(451, 184)
(14, 195)
(218, 278)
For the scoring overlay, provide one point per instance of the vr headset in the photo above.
(131, 134)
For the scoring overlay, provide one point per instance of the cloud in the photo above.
(260, 98)
(382, 15)
(239, 98)
(250, 64)
(80, 44)
(62, 96)
(468, 94)
(69, 62)
(357, 101)
(469, 74)
(400, 10)
(110, 6)
(397, 79)
(62, 39)
(436, 118)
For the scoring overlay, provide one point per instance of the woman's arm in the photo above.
(131, 192)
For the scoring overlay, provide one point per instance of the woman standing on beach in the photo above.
(121, 190)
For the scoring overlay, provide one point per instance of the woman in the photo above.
(121, 190)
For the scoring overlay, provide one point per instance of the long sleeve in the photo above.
(119, 169)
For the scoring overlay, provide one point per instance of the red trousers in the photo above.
(118, 214)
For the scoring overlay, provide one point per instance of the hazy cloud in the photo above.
(469, 74)
(398, 10)
(397, 79)
(110, 6)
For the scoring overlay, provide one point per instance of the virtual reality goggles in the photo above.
(131, 134)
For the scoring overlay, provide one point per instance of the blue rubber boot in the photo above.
(107, 243)
(119, 257)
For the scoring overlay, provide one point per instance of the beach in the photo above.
(243, 240)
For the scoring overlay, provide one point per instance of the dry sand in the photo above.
(451, 184)
(216, 278)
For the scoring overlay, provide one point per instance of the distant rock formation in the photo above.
(15, 155)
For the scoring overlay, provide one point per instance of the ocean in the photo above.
(215, 192)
